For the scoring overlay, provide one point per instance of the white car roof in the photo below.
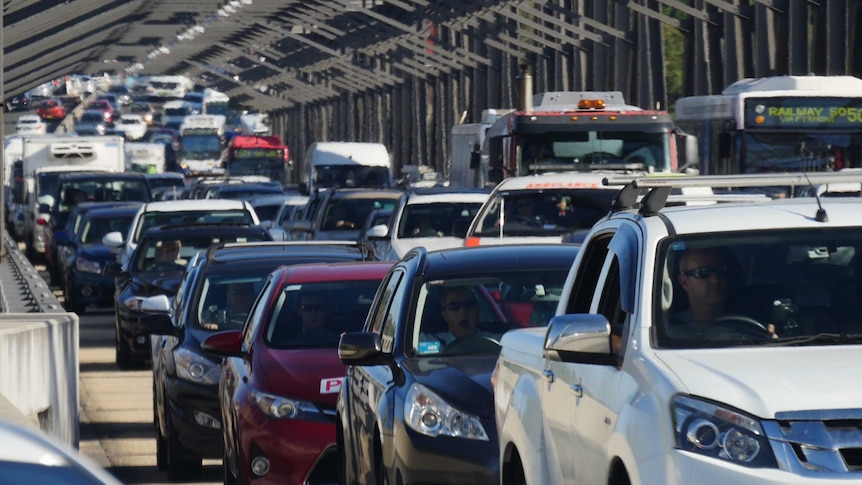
(192, 204)
(478, 197)
(772, 214)
(29, 118)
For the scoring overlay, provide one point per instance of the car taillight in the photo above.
(41, 221)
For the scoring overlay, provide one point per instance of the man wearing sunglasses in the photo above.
(703, 274)
(460, 311)
(312, 312)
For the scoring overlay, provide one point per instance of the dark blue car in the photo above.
(82, 276)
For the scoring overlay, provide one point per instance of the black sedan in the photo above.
(417, 403)
(155, 268)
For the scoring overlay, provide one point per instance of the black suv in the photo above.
(216, 292)
(152, 270)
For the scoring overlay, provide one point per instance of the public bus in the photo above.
(266, 156)
(777, 124)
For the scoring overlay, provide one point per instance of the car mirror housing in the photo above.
(361, 348)
(224, 344)
(113, 240)
(378, 232)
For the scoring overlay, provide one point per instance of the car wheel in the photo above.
(70, 304)
(54, 274)
(29, 250)
(179, 466)
(161, 445)
(381, 477)
(122, 351)
(344, 474)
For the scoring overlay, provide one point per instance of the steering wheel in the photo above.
(472, 344)
(164, 266)
(600, 157)
(737, 325)
(527, 221)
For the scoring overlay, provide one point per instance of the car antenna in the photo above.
(821, 212)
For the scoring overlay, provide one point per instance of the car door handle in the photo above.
(548, 374)
(577, 390)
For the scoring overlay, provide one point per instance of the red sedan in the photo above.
(51, 109)
(108, 113)
(282, 374)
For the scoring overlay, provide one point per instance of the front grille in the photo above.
(809, 446)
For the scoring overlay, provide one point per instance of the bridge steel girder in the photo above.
(412, 95)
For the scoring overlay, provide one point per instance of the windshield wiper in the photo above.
(821, 338)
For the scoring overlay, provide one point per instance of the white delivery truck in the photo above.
(145, 157)
(345, 164)
(202, 145)
(44, 159)
(215, 102)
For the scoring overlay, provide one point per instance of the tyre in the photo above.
(228, 477)
(123, 354)
(179, 465)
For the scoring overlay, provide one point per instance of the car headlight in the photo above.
(285, 408)
(194, 368)
(710, 429)
(428, 414)
(87, 266)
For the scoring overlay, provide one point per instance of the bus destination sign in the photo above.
(258, 153)
(796, 112)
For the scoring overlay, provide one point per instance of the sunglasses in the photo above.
(455, 306)
(707, 272)
(318, 307)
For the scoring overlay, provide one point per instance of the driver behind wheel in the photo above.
(703, 274)
(460, 310)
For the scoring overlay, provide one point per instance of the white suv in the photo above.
(178, 212)
(634, 382)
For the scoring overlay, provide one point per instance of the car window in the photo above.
(434, 220)
(260, 306)
(305, 314)
(377, 319)
(487, 305)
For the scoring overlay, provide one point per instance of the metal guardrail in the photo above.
(22, 289)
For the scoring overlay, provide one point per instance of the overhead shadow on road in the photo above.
(99, 431)
(100, 367)
(150, 474)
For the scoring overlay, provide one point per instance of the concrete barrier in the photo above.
(39, 364)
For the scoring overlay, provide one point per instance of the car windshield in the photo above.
(95, 229)
(792, 287)
(435, 220)
(350, 213)
(543, 213)
(307, 315)
(227, 216)
(169, 255)
(227, 295)
(478, 310)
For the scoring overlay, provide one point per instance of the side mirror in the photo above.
(266, 224)
(361, 348)
(380, 231)
(113, 241)
(687, 154)
(224, 344)
(583, 338)
(302, 226)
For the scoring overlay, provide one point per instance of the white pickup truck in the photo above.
(666, 366)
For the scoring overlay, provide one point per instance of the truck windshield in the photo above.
(201, 147)
(592, 150)
(794, 287)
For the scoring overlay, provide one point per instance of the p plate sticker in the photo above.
(331, 385)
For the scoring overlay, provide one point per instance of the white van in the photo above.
(346, 164)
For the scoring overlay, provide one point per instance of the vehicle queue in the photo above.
(397, 375)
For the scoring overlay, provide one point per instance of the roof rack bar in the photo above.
(742, 180)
